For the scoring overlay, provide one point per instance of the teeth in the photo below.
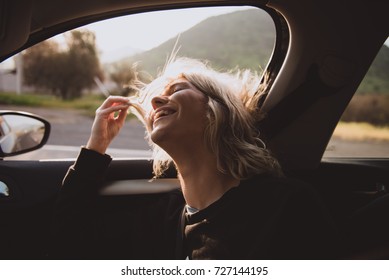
(162, 113)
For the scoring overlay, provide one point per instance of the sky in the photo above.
(118, 36)
(147, 30)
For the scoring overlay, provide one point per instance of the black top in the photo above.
(262, 218)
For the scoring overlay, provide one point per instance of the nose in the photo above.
(159, 101)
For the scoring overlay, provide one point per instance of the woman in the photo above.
(234, 202)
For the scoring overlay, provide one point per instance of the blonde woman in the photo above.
(234, 201)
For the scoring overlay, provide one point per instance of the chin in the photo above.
(158, 136)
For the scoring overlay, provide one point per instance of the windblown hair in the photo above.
(233, 111)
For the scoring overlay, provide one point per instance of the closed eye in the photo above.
(177, 87)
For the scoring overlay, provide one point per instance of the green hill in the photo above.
(240, 39)
(376, 80)
(244, 39)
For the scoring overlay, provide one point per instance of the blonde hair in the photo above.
(232, 115)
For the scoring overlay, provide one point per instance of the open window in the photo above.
(364, 127)
(65, 78)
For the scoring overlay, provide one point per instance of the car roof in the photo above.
(336, 40)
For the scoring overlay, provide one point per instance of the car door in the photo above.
(355, 167)
(353, 175)
(32, 181)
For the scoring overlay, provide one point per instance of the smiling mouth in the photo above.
(163, 113)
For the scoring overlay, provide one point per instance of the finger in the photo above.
(111, 100)
(111, 110)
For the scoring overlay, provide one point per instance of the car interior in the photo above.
(321, 54)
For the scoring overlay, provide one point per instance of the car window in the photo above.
(64, 79)
(364, 127)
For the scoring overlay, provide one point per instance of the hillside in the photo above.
(377, 78)
(244, 39)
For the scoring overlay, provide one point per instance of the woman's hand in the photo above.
(109, 119)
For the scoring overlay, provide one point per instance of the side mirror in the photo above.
(21, 132)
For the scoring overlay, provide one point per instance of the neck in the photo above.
(201, 182)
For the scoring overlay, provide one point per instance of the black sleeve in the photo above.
(74, 213)
(88, 226)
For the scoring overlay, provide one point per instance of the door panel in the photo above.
(33, 186)
(356, 193)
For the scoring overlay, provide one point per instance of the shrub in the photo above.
(373, 109)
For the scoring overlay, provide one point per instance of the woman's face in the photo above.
(178, 115)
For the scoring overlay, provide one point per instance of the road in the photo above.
(342, 148)
(70, 130)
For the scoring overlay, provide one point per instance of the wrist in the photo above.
(97, 147)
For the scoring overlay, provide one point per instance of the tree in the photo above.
(124, 76)
(65, 72)
(39, 66)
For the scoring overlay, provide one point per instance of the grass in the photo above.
(88, 103)
(361, 132)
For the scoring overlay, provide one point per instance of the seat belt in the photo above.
(295, 104)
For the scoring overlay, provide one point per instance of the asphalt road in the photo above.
(369, 149)
(71, 129)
